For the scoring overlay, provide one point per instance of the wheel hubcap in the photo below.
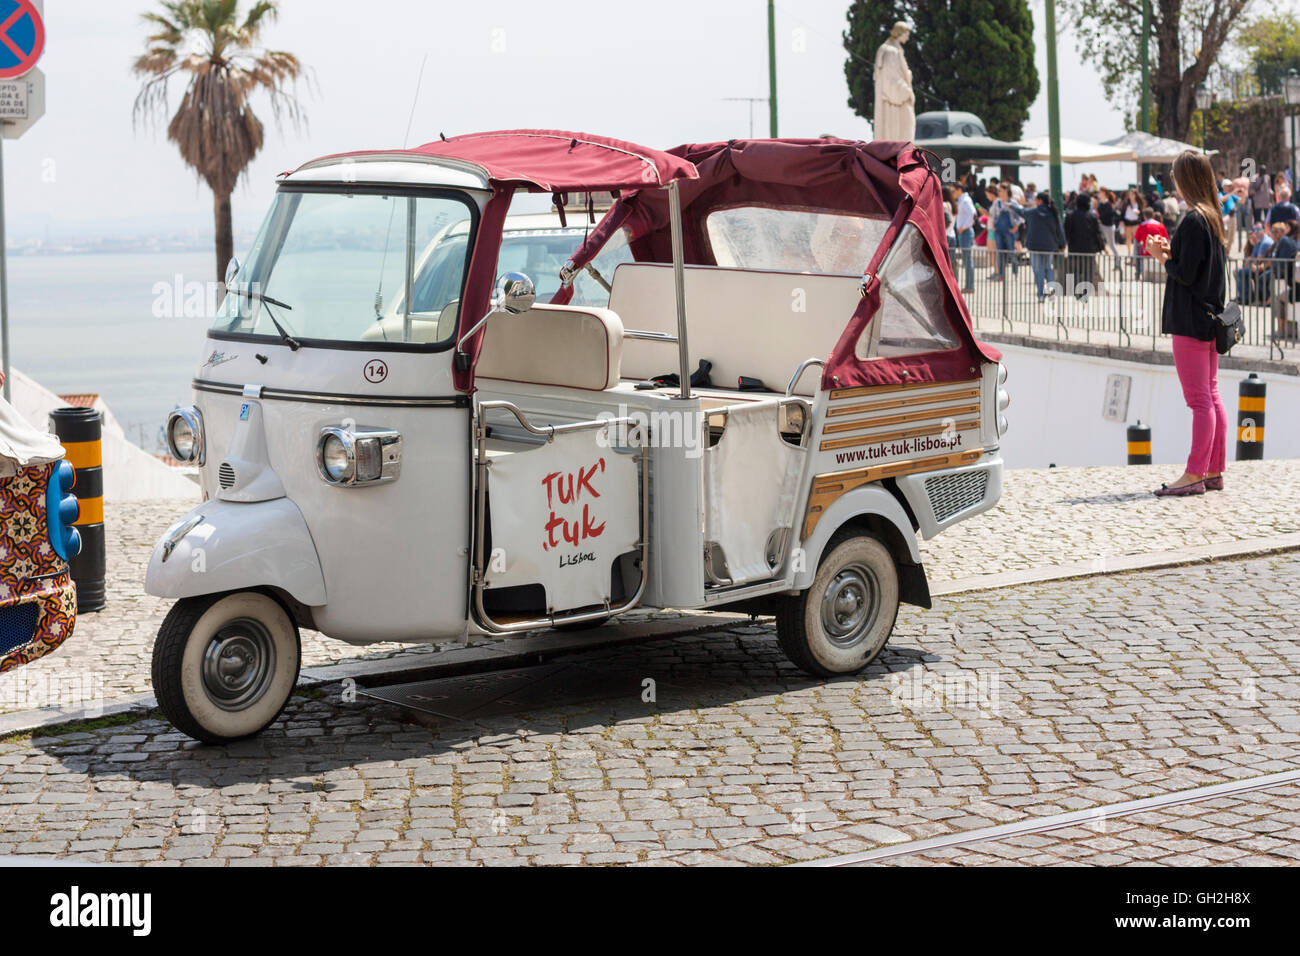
(238, 664)
(848, 608)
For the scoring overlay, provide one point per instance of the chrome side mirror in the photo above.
(514, 293)
(232, 270)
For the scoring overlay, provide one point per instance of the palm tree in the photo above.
(214, 128)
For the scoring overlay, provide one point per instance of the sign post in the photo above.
(22, 103)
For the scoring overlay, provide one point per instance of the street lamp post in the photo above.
(1204, 100)
(1291, 93)
(1053, 109)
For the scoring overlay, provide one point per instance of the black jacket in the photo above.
(1042, 228)
(1195, 281)
(1083, 231)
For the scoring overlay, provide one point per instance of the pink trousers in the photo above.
(1198, 371)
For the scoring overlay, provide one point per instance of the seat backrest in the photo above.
(554, 345)
(746, 322)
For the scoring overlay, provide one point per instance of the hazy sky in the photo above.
(654, 74)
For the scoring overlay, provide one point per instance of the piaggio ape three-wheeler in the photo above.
(397, 442)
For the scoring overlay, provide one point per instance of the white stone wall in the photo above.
(1056, 410)
(130, 473)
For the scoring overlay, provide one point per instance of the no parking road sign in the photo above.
(22, 37)
(22, 86)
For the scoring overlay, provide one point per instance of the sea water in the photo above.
(109, 323)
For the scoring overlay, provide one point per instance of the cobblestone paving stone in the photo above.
(993, 707)
(1051, 517)
(1256, 829)
(1066, 515)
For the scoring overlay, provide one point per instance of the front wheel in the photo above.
(843, 620)
(224, 667)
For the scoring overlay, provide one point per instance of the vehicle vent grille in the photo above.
(951, 494)
(226, 475)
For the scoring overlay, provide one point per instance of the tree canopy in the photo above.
(972, 55)
(1187, 37)
(219, 55)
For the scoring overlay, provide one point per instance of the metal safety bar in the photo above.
(798, 373)
(482, 465)
(639, 335)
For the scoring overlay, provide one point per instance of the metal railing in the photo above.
(1117, 299)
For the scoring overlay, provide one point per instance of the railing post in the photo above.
(1001, 258)
(1121, 327)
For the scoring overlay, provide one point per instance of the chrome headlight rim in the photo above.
(374, 455)
(193, 420)
(348, 441)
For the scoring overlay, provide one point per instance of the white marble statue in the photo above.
(895, 115)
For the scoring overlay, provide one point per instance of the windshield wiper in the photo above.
(289, 340)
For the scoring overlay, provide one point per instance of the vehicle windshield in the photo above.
(338, 264)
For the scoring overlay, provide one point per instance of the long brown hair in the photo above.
(1194, 178)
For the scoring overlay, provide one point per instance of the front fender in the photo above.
(228, 546)
(863, 501)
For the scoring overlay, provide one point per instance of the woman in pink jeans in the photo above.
(1195, 286)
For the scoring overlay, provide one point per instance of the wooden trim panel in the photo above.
(861, 390)
(826, 489)
(928, 414)
(838, 411)
(854, 440)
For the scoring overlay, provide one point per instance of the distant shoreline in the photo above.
(114, 250)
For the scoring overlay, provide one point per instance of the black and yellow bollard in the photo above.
(1250, 418)
(1139, 444)
(80, 431)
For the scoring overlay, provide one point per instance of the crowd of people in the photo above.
(1018, 224)
(1180, 233)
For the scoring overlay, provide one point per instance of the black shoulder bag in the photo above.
(1229, 327)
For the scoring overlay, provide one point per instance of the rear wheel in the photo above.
(844, 619)
(224, 667)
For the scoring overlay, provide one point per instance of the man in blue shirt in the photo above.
(964, 226)
(1284, 210)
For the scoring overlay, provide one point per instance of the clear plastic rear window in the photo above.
(793, 240)
(912, 319)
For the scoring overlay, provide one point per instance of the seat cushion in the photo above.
(554, 345)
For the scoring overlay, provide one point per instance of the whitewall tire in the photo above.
(224, 666)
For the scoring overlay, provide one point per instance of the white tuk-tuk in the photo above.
(396, 442)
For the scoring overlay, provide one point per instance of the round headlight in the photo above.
(335, 458)
(182, 439)
(185, 435)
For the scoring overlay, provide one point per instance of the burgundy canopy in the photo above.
(556, 161)
(880, 179)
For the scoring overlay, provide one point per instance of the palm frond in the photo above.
(214, 127)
